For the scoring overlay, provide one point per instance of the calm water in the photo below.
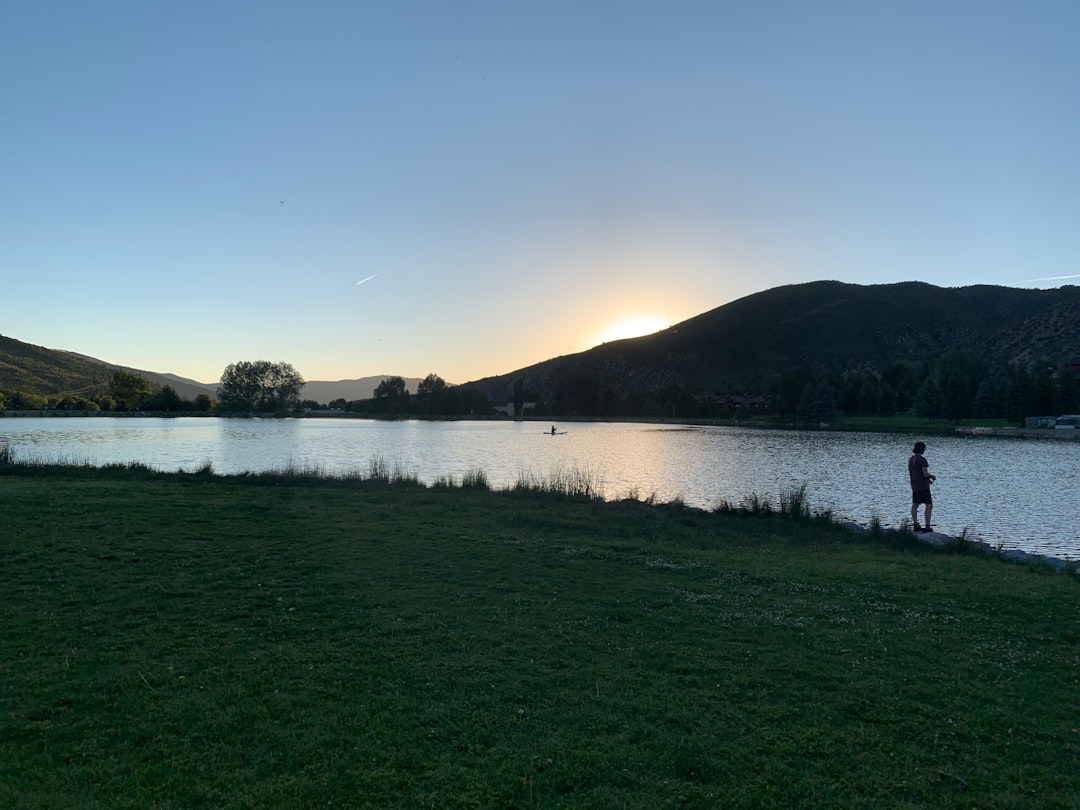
(1023, 494)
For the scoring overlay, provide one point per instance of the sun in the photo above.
(634, 327)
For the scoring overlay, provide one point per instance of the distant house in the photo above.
(1040, 422)
(1068, 421)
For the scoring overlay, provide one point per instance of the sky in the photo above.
(467, 188)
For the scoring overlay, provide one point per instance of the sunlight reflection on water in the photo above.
(1022, 494)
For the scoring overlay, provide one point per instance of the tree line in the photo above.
(957, 386)
(125, 391)
(433, 397)
(258, 386)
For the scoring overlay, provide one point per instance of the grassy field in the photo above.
(190, 641)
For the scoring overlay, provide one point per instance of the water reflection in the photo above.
(1022, 494)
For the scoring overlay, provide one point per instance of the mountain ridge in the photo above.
(820, 326)
(40, 370)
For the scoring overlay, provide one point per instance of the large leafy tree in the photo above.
(431, 384)
(129, 390)
(391, 388)
(167, 399)
(259, 385)
(431, 391)
(391, 395)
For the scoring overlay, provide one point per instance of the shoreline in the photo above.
(796, 504)
(1013, 555)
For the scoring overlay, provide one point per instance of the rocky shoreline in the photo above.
(1013, 555)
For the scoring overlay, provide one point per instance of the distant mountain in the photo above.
(51, 372)
(819, 326)
(188, 389)
(741, 346)
(54, 372)
(37, 370)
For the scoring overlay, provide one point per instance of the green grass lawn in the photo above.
(188, 641)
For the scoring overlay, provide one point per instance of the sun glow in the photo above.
(635, 327)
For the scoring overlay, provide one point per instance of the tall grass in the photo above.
(793, 504)
(574, 482)
(475, 478)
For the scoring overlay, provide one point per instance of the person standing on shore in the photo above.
(919, 473)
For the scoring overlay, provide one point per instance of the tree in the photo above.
(431, 384)
(958, 376)
(391, 396)
(259, 386)
(130, 390)
(519, 396)
(788, 391)
(899, 383)
(929, 401)
(991, 398)
(27, 401)
(576, 394)
(167, 400)
(1069, 390)
(391, 388)
(824, 402)
(1021, 401)
(817, 403)
(431, 391)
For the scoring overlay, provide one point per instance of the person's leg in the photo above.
(914, 515)
(926, 515)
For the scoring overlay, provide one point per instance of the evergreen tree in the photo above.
(1021, 401)
(929, 402)
(991, 398)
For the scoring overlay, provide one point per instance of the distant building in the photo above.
(1069, 421)
(1040, 422)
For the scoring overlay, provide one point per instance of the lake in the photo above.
(1019, 493)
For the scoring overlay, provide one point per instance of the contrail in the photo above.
(369, 278)
(1049, 278)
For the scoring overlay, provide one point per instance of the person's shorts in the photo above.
(921, 496)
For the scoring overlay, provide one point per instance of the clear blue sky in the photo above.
(188, 184)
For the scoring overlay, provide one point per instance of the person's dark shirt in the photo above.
(917, 467)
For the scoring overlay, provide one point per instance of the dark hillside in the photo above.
(56, 373)
(822, 326)
(37, 370)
